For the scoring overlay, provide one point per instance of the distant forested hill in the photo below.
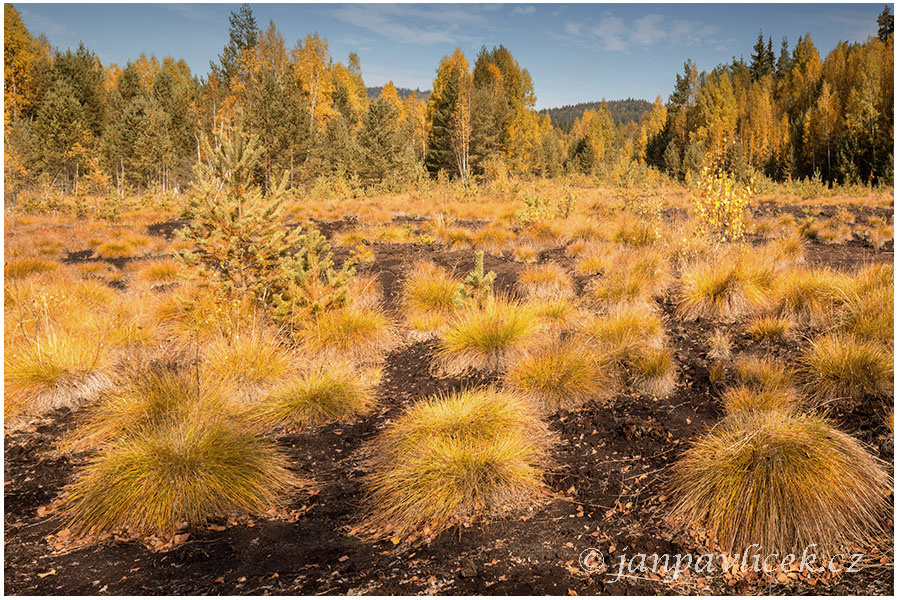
(622, 111)
(374, 92)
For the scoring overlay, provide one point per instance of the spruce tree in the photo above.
(242, 34)
(886, 23)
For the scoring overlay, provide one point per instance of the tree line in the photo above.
(75, 125)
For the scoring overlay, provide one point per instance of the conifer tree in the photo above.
(886, 24)
(243, 34)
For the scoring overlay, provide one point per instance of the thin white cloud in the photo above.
(422, 25)
(611, 33)
(376, 21)
(192, 12)
(524, 10)
(647, 30)
(41, 23)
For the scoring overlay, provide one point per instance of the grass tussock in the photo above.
(782, 481)
(53, 370)
(637, 275)
(563, 374)
(143, 398)
(545, 282)
(763, 373)
(624, 330)
(115, 249)
(652, 372)
(21, 268)
(558, 315)
(811, 297)
(842, 371)
(159, 272)
(719, 345)
(360, 335)
(869, 310)
(184, 470)
(771, 329)
(486, 338)
(249, 358)
(453, 459)
(317, 396)
(722, 290)
(744, 398)
(429, 289)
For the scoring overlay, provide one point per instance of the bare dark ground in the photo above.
(609, 479)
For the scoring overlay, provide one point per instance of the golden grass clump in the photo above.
(316, 396)
(360, 335)
(811, 297)
(159, 272)
(783, 481)
(788, 250)
(545, 282)
(20, 268)
(725, 290)
(763, 372)
(880, 235)
(190, 469)
(720, 345)
(487, 337)
(525, 253)
(771, 328)
(116, 249)
(429, 290)
(842, 371)
(624, 330)
(558, 315)
(632, 230)
(197, 313)
(869, 310)
(364, 291)
(53, 370)
(652, 372)
(744, 398)
(453, 459)
(562, 374)
(491, 239)
(594, 258)
(633, 276)
(249, 358)
(143, 398)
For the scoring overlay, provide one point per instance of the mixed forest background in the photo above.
(75, 126)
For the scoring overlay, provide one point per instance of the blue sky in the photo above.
(574, 52)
